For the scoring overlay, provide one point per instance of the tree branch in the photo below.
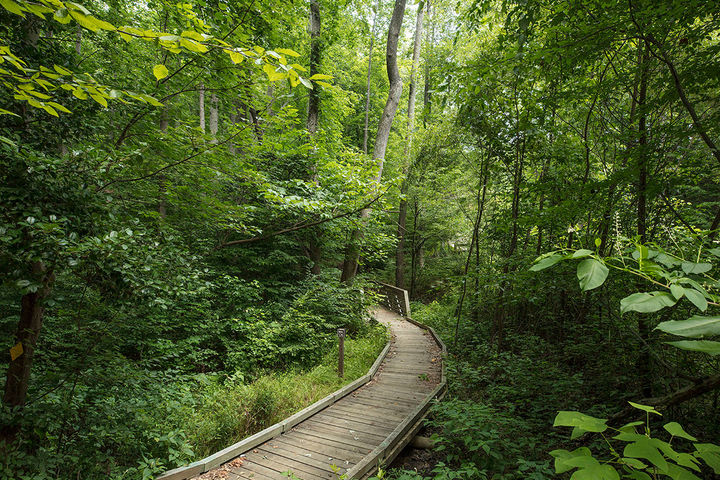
(297, 227)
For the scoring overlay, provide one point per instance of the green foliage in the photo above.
(643, 456)
(234, 410)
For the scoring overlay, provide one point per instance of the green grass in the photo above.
(231, 412)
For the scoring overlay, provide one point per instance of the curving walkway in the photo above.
(346, 436)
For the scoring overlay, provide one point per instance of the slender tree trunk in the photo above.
(366, 131)
(644, 365)
(475, 242)
(428, 44)
(214, 116)
(201, 105)
(314, 249)
(383, 134)
(402, 211)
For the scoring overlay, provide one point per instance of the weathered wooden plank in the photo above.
(284, 463)
(380, 423)
(370, 412)
(323, 462)
(342, 433)
(330, 438)
(392, 397)
(339, 440)
(328, 449)
(378, 405)
(255, 470)
(355, 426)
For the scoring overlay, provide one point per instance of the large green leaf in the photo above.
(591, 273)
(703, 346)
(547, 261)
(691, 267)
(676, 430)
(577, 419)
(160, 71)
(596, 472)
(694, 327)
(710, 454)
(646, 302)
(697, 298)
(678, 473)
(644, 448)
(566, 460)
(645, 408)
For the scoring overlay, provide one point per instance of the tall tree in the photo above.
(352, 252)
(407, 166)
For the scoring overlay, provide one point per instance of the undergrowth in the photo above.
(231, 411)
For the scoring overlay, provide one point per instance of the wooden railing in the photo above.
(394, 298)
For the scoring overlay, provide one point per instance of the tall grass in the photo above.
(230, 412)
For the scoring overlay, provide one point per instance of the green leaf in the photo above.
(702, 346)
(644, 449)
(90, 22)
(636, 475)
(582, 253)
(236, 57)
(272, 73)
(596, 472)
(710, 454)
(677, 291)
(645, 408)
(193, 46)
(546, 262)
(321, 76)
(288, 52)
(99, 99)
(591, 273)
(160, 71)
(62, 15)
(194, 35)
(676, 430)
(577, 419)
(564, 457)
(697, 298)
(634, 462)
(694, 327)
(305, 82)
(12, 7)
(678, 473)
(646, 302)
(691, 267)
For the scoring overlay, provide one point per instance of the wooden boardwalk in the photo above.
(350, 432)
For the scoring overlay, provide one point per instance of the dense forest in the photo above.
(194, 197)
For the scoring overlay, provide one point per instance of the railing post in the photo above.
(341, 352)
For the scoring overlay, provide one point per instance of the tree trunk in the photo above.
(201, 105)
(214, 116)
(475, 242)
(314, 94)
(644, 361)
(400, 251)
(366, 131)
(429, 43)
(313, 118)
(402, 211)
(31, 318)
(353, 253)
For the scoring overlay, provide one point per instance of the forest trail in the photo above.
(347, 433)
